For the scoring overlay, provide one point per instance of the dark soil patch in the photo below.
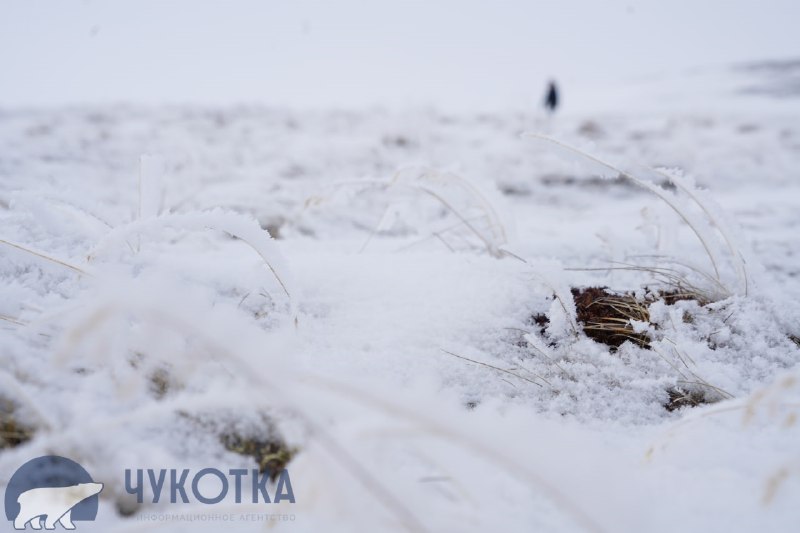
(679, 397)
(591, 129)
(260, 440)
(585, 181)
(160, 383)
(606, 317)
(272, 455)
(12, 431)
(398, 141)
(541, 321)
(513, 189)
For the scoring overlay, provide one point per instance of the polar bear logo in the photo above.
(54, 503)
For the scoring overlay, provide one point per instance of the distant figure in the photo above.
(551, 99)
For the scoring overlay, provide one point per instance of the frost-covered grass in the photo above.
(702, 228)
(387, 337)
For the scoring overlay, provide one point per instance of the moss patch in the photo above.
(271, 455)
(12, 431)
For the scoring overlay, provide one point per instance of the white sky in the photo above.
(355, 53)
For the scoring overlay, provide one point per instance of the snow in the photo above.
(315, 268)
(457, 54)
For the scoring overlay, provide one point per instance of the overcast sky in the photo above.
(356, 53)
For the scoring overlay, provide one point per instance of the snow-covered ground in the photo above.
(387, 332)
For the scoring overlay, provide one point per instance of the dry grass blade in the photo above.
(608, 318)
(259, 377)
(439, 186)
(503, 370)
(670, 277)
(435, 235)
(431, 176)
(240, 227)
(490, 246)
(45, 256)
(12, 320)
(702, 383)
(741, 268)
(652, 187)
(453, 434)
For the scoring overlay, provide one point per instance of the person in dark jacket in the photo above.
(551, 97)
